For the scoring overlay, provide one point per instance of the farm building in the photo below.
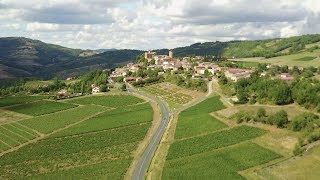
(235, 74)
(286, 77)
(95, 90)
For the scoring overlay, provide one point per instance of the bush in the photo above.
(261, 112)
(242, 116)
(298, 150)
(301, 121)
(280, 119)
(314, 136)
(103, 88)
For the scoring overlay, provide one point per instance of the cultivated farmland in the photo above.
(174, 95)
(14, 134)
(212, 150)
(215, 140)
(48, 123)
(41, 107)
(219, 164)
(14, 100)
(108, 101)
(9, 116)
(77, 141)
(196, 120)
(112, 119)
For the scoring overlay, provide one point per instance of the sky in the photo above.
(153, 24)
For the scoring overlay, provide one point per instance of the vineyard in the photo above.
(48, 123)
(204, 147)
(14, 134)
(108, 101)
(89, 137)
(213, 141)
(41, 107)
(112, 119)
(196, 120)
(222, 164)
(174, 95)
(14, 100)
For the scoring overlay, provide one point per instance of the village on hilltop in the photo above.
(196, 65)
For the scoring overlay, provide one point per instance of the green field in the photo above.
(84, 142)
(14, 134)
(196, 120)
(41, 107)
(307, 58)
(48, 123)
(108, 101)
(215, 140)
(205, 148)
(13, 100)
(68, 155)
(302, 59)
(220, 164)
(112, 119)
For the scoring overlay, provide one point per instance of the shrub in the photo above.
(242, 116)
(314, 136)
(298, 150)
(261, 112)
(281, 119)
(103, 88)
(301, 121)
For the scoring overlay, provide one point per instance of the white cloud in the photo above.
(41, 27)
(147, 24)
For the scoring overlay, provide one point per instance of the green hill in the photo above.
(22, 57)
(254, 48)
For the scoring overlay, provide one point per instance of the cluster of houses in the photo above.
(168, 62)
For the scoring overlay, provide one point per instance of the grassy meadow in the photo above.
(302, 59)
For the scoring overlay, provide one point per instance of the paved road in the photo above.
(146, 157)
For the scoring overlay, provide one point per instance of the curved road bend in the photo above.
(145, 159)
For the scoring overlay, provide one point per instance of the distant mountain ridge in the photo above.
(22, 57)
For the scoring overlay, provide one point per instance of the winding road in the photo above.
(146, 157)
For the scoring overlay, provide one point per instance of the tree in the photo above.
(281, 93)
(223, 80)
(103, 88)
(280, 119)
(152, 62)
(242, 96)
(303, 120)
(206, 73)
(123, 87)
